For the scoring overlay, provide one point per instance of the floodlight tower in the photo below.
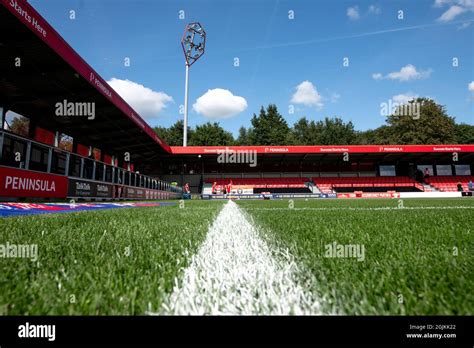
(193, 43)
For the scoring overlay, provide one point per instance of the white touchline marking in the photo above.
(360, 208)
(234, 272)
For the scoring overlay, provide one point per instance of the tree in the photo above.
(162, 132)
(244, 137)
(302, 131)
(377, 136)
(431, 126)
(20, 125)
(269, 127)
(365, 137)
(211, 134)
(464, 134)
(174, 134)
(330, 131)
(334, 131)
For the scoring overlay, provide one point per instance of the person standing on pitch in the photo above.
(214, 188)
(187, 192)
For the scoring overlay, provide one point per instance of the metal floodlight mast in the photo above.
(193, 43)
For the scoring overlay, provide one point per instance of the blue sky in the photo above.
(295, 63)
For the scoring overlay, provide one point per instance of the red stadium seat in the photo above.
(449, 183)
(327, 184)
(263, 182)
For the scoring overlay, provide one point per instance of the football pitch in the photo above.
(350, 257)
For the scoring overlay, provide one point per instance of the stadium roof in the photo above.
(210, 150)
(51, 72)
(360, 153)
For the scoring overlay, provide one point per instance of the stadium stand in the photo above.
(260, 185)
(333, 184)
(322, 184)
(264, 182)
(73, 175)
(109, 156)
(327, 185)
(449, 183)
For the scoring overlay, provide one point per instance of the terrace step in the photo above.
(429, 188)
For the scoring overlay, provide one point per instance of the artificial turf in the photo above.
(112, 262)
(419, 259)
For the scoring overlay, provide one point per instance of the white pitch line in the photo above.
(235, 272)
(360, 208)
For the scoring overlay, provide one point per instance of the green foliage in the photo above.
(464, 134)
(210, 134)
(432, 126)
(378, 136)
(20, 125)
(174, 134)
(330, 131)
(244, 136)
(269, 127)
(304, 132)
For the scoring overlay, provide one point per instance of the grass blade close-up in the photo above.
(112, 262)
(417, 260)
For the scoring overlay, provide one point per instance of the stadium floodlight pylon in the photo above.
(193, 43)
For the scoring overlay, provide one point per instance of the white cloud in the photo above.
(219, 103)
(353, 13)
(470, 86)
(467, 3)
(145, 101)
(456, 7)
(404, 98)
(307, 94)
(406, 73)
(464, 25)
(451, 13)
(441, 3)
(409, 72)
(377, 76)
(374, 9)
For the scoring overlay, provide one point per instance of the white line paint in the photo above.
(235, 272)
(361, 209)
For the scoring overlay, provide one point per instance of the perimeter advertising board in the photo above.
(24, 183)
(83, 188)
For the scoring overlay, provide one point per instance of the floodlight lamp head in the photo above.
(193, 42)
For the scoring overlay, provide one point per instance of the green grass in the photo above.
(83, 257)
(408, 252)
